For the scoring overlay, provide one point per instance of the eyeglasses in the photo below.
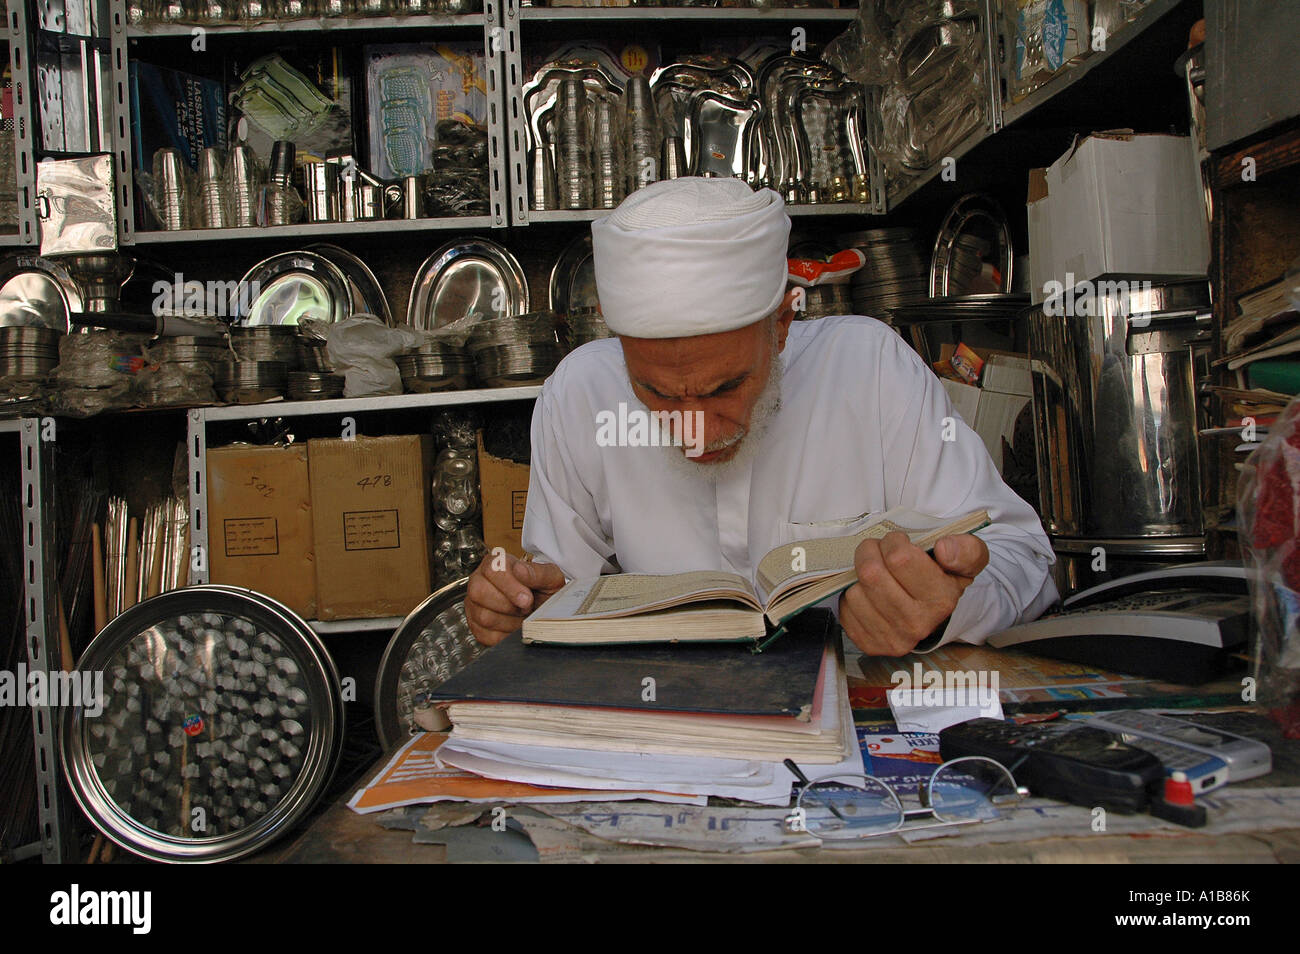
(960, 792)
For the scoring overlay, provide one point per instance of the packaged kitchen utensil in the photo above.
(74, 201)
(927, 59)
(281, 204)
(410, 88)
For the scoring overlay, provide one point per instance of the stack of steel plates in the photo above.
(823, 300)
(198, 354)
(435, 366)
(251, 382)
(314, 385)
(277, 343)
(28, 353)
(517, 350)
(897, 271)
(586, 324)
(312, 355)
(181, 371)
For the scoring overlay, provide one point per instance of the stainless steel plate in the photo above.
(222, 725)
(37, 292)
(431, 645)
(367, 294)
(287, 288)
(468, 277)
(573, 278)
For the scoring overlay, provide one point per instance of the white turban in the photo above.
(690, 256)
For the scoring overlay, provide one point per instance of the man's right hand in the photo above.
(498, 599)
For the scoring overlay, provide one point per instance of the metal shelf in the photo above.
(13, 425)
(487, 22)
(315, 229)
(53, 805)
(590, 215)
(1156, 9)
(516, 121)
(385, 402)
(10, 239)
(918, 182)
(697, 14)
(831, 208)
(159, 31)
(1018, 112)
(567, 215)
(356, 625)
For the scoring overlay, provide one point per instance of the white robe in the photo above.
(860, 430)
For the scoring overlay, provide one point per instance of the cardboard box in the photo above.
(503, 487)
(1117, 204)
(994, 410)
(370, 508)
(260, 531)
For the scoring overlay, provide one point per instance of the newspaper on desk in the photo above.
(414, 776)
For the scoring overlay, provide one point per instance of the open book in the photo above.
(716, 606)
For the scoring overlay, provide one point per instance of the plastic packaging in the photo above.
(458, 184)
(168, 384)
(927, 58)
(1268, 500)
(1048, 35)
(99, 359)
(362, 348)
(74, 199)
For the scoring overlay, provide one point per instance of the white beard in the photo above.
(765, 409)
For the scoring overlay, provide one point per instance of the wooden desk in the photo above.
(340, 835)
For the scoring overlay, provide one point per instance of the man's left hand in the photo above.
(902, 594)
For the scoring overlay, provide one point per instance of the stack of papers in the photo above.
(679, 720)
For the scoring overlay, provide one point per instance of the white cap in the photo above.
(691, 256)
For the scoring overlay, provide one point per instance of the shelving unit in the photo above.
(40, 625)
(747, 15)
(1005, 114)
(315, 230)
(655, 18)
(316, 25)
(20, 45)
(1148, 16)
(486, 24)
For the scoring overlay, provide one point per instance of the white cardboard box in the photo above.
(1117, 204)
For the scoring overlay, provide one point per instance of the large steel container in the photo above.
(1115, 421)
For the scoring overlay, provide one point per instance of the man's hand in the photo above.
(497, 600)
(902, 595)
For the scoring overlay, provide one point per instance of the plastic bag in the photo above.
(99, 359)
(362, 348)
(1268, 499)
(928, 60)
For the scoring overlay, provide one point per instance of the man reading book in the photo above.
(777, 431)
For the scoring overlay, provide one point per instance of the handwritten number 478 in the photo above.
(378, 480)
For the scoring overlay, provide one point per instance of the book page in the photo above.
(783, 565)
(627, 593)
